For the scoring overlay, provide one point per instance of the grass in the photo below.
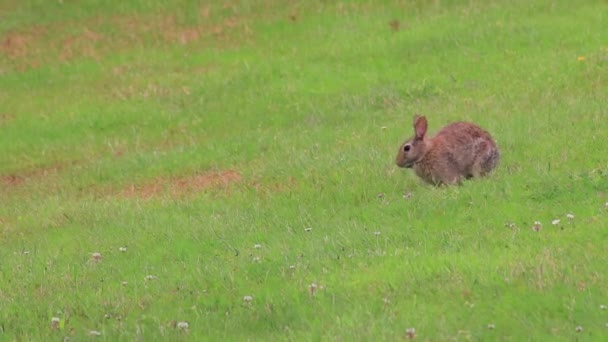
(191, 133)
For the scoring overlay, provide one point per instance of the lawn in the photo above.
(176, 170)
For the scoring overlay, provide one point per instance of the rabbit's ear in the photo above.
(420, 126)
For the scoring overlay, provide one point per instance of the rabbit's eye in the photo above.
(407, 147)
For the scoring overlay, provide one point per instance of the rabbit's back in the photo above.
(465, 149)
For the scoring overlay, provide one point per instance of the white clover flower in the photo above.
(257, 246)
(491, 326)
(603, 307)
(151, 277)
(122, 249)
(124, 283)
(537, 226)
(411, 333)
(247, 299)
(377, 233)
(95, 333)
(96, 256)
(55, 322)
(309, 229)
(570, 217)
(579, 328)
(312, 289)
(182, 325)
(555, 222)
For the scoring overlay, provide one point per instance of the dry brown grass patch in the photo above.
(11, 180)
(16, 179)
(83, 44)
(5, 118)
(28, 47)
(182, 186)
(16, 44)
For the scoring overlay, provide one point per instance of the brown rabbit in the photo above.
(460, 150)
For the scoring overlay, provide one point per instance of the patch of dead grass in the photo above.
(100, 36)
(11, 180)
(182, 186)
(38, 173)
(84, 44)
(16, 44)
(5, 118)
(269, 188)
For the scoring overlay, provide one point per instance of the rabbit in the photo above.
(459, 151)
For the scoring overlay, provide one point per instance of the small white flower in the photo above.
(95, 333)
(257, 246)
(579, 328)
(411, 333)
(570, 217)
(26, 252)
(377, 233)
(151, 277)
(124, 283)
(407, 195)
(96, 256)
(309, 229)
(292, 267)
(603, 307)
(107, 316)
(312, 289)
(555, 222)
(606, 205)
(537, 226)
(182, 325)
(491, 326)
(247, 299)
(256, 259)
(122, 249)
(55, 322)
(380, 195)
(383, 128)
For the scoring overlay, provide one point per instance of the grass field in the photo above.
(233, 165)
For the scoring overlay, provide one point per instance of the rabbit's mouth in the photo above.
(407, 165)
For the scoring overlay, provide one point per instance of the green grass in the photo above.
(110, 111)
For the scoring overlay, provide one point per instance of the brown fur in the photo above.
(460, 150)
